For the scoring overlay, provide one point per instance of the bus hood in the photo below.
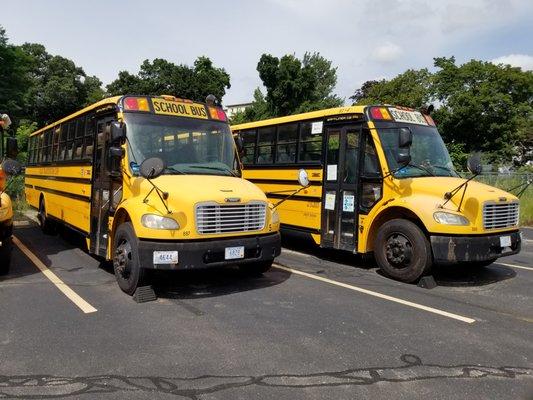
(192, 189)
(425, 195)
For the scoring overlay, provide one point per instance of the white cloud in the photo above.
(523, 61)
(387, 53)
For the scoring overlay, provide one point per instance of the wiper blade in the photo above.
(420, 167)
(214, 169)
(172, 169)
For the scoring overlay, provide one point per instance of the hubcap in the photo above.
(399, 250)
(122, 260)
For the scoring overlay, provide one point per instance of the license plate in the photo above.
(233, 253)
(505, 241)
(165, 257)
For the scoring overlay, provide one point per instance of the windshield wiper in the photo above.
(214, 169)
(172, 169)
(420, 167)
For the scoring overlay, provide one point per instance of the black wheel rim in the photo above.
(399, 250)
(122, 261)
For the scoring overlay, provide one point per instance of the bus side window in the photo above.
(89, 139)
(63, 143)
(70, 143)
(310, 149)
(286, 144)
(55, 146)
(265, 143)
(248, 138)
(371, 184)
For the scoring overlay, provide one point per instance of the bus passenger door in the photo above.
(101, 191)
(339, 197)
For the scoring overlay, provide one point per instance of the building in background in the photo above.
(232, 109)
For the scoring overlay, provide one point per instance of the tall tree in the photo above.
(58, 87)
(409, 89)
(485, 106)
(163, 77)
(14, 82)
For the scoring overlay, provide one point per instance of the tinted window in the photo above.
(310, 142)
(286, 147)
(265, 143)
(248, 137)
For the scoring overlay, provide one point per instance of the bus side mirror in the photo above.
(11, 147)
(117, 132)
(151, 168)
(116, 154)
(11, 167)
(474, 164)
(405, 140)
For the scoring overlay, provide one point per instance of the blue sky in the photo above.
(364, 39)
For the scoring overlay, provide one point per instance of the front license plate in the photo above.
(233, 253)
(505, 241)
(165, 257)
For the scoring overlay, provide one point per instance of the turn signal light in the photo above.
(380, 113)
(136, 104)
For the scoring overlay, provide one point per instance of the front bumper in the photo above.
(6, 229)
(452, 249)
(210, 253)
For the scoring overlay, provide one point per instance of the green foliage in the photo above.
(293, 86)
(24, 130)
(163, 77)
(488, 107)
(58, 87)
(409, 89)
(480, 106)
(14, 79)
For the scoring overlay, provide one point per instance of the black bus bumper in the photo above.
(452, 249)
(6, 231)
(210, 253)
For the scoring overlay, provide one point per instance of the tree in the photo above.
(163, 77)
(14, 82)
(57, 86)
(409, 89)
(486, 107)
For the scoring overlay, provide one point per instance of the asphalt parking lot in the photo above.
(320, 325)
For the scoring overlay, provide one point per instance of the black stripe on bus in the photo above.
(28, 186)
(295, 197)
(60, 178)
(282, 181)
(317, 165)
(66, 163)
(300, 228)
(64, 194)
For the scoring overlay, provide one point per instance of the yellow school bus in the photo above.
(381, 182)
(153, 182)
(8, 166)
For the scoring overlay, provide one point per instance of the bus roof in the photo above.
(109, 100)
(303, 116)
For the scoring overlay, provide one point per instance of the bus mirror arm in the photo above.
(303, 180)
(288, 197)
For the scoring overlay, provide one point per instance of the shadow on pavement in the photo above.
(454, 276)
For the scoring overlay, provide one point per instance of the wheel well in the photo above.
(120, 217)
(387, 215)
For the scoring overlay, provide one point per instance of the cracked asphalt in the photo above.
(221, 335)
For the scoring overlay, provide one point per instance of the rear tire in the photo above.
(48, 226)
(257, 268)
(5, 255)
(402, 250)
(126, 265)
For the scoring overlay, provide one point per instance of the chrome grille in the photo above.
(500, 215)
(221, 218)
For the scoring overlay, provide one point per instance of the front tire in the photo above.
(5, 255)
(402, 250)
(126, 265)
(257, 268)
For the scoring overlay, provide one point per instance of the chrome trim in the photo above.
(214, 218)
(500, 215)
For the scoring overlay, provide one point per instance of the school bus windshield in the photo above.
(186, 145)
(429, 155)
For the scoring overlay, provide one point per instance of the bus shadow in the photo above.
(215, 282)
(451, 276)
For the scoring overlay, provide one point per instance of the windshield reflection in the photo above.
(186, 145)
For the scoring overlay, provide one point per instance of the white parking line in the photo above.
(379, 295)
(514, 266)
(67, 291)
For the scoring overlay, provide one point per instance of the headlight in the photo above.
(153, 221)
(447, 218)
(275, 217)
